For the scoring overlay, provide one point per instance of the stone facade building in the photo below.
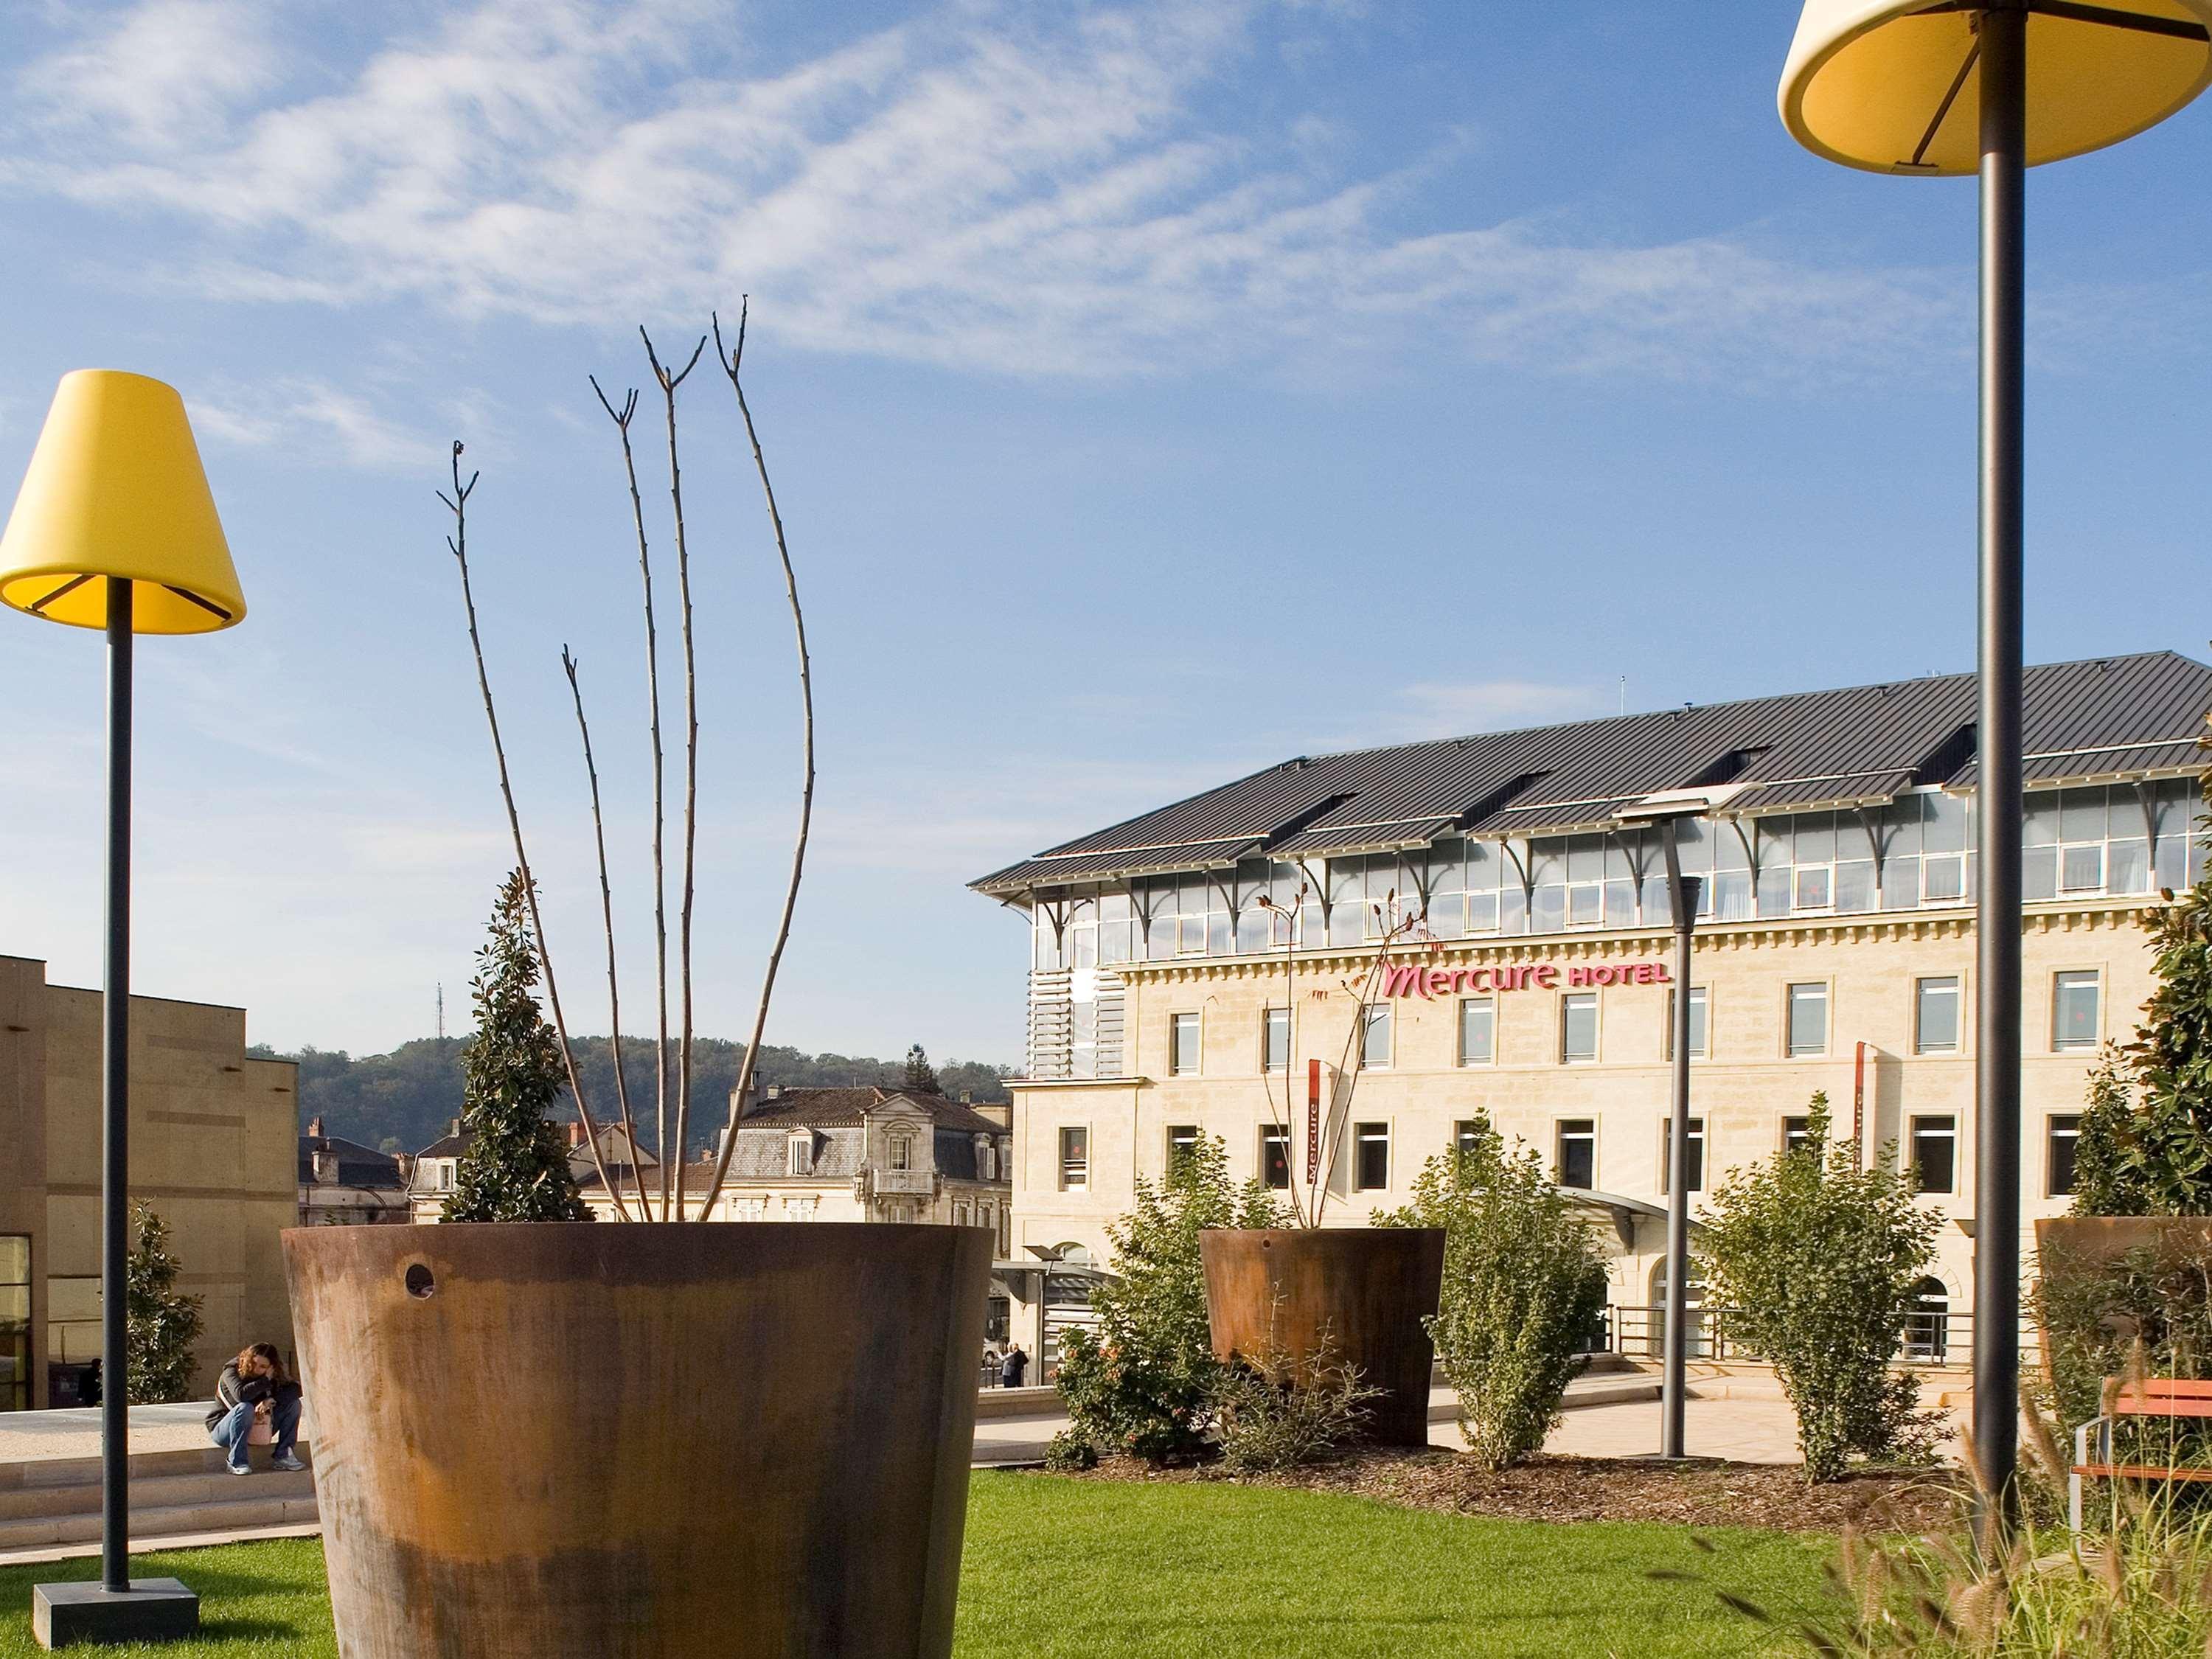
(214, 1149)
(1834, 955)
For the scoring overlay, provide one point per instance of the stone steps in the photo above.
(56, 1501)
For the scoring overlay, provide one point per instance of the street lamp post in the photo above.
(1684, 896)
(1991, 88)
(114, 528)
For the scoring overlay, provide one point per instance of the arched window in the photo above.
(1927, 1323)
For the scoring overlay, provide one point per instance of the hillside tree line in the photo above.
(402, 1101)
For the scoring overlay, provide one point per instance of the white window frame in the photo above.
(900, 1149)
(1360, 1141)
(798, 1155)
(1559, 1148)
(1370, 1014)
(1827, 990)
(1957, 983)
(1081, 1181)
(2096, 978)
(1267, 1067)
(1459, 1035)
(2052, 1134)
(1701, 1000)
(1912, 1133)
(1569, 999)
(1175, 1019)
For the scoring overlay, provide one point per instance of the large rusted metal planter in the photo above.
(1363, 1290)
(609, 1441)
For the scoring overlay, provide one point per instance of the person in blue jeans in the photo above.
(253, 1387)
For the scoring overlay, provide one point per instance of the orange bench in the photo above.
(2169, 1397)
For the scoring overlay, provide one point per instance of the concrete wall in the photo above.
(214, 1149)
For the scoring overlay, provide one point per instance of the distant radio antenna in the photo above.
(1624, 694)
(441, 1010)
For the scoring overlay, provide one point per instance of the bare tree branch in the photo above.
(607, 912)
(669, 382)
(731, 365)
(458, 542)
(659, 814)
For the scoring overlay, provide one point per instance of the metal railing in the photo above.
(1931, 1338)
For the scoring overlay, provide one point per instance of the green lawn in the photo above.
(1070, 1569)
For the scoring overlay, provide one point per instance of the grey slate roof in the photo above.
(2104, 717)
(830, 1108)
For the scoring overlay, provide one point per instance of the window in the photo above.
(1935, 1016)
(1795, 1132)
(1074, 1159)
(1183, 1045)
(1808, 1020)
(1275, 1040)
(2073, 1011)
(800, 1151)
(1935, 1153)
(14, 1322)
(2064, 1135)
(1478, 1031)
(1182, 1141)
(1927, 1326)
(1693, 1154)
(901, 1154)
(446, 1175)
(1579, 1027)
(1696, 1024)
(1467, 1134)
(1371, 1159)
(986, 1160)
(1375, 1037)
(1577, 1152)
(1275, 1156)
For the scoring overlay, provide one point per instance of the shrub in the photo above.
(1272, 1412)
(1143, 1380)
(1070, 1452)
(1816, 1259)
(2151, 1305)
(1524, 1280)
(162, 1322)
(2107, 1179)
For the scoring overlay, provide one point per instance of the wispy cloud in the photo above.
(317, 421)
(991, 186)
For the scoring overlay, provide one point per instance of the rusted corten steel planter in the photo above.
(601, 1441)
(1367, 1289)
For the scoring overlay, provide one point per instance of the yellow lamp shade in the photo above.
(115, 489)
(1867, 79)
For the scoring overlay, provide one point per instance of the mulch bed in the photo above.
(1700, 1492)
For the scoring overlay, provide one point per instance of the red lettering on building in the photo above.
(1546, 976)
(1440, 982)
(1431, 983)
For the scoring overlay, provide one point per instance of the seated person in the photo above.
(254, 1389)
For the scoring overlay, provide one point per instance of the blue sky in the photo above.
(1154, 392)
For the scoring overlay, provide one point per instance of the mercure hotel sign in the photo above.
(1431, 983)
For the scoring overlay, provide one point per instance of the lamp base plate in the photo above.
(151, 1610)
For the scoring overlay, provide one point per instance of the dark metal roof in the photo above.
(2113, 716)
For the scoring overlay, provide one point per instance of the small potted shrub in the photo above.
(1361, 1295)
(2134, 1259)
(660, 1436)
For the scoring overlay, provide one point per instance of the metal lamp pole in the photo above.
(115, 1113)
(1684, 893)
(2003, 64)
